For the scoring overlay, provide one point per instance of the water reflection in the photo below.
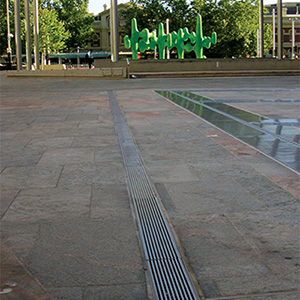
(277, 138)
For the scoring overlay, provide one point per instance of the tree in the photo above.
(55, 25)
(3, 28)
(77, 21)
(236, 24)
(52, 33)
(3, 25)
(149, 13)
(179, 13)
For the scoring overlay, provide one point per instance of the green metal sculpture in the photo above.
(144, 40)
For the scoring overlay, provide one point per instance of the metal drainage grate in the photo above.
(170, 279)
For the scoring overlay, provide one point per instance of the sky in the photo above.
(96, 6)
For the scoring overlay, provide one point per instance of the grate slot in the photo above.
(163, 233)
(169, 278)
(157, 223)
(159, 240)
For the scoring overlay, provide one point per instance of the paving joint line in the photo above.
(275, 293)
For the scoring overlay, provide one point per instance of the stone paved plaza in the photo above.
(68, 229)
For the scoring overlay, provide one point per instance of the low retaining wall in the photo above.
(114, 73)
(175, 65)
(104, 68)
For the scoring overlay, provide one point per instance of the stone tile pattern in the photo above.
(67, 224)
(235, 211)
(65, 209)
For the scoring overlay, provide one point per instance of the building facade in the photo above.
(290, 15)
(290, 18)
(101, 38)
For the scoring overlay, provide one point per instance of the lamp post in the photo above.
(279, 29)
(261, 28)
(293, 36)
(9, 36)
(258, 43)
(18, 35)
(114, 30)
(168, 31)
(78, 59)
(274, 32)
(36, 34)
(155, 49)
(28, 39)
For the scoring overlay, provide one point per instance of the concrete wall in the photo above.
(113, 73)
(203, 65)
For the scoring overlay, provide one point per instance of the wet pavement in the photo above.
(277, 138)
(68, 229)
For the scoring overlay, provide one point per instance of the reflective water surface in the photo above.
(278, 138)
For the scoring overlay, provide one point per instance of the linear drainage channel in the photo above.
(169, 277)
(278, 138)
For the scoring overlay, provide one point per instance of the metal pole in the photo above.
(293, 36)
(18, 35)
(168, 31)
(257, 43)
(114, 30)
(9, 35)
(274, 32)
(78, 59)
(279, 29)
(261, 28)
(28, 38)
(155, 49)
(36, 34)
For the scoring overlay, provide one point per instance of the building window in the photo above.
(96, 40)
(121, 38)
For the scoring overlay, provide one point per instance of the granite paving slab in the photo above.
(50, 203)
(14, 157)
(30, 177)
(83, 174)
(94, 141)
(86, 252)
(49, 143)
(6, 199)
(67, 156)
(15, 281)
(121, 292)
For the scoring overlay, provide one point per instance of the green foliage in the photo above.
(3, 27)
(236, 22)
(52, 33)
(149, 13)
(179, 12)
(63, 24)
(77, 21)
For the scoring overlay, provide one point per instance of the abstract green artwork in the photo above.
(182, 40)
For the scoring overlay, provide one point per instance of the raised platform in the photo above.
(244, 73)
(104, 68)
(204, 65)
(109, 72)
